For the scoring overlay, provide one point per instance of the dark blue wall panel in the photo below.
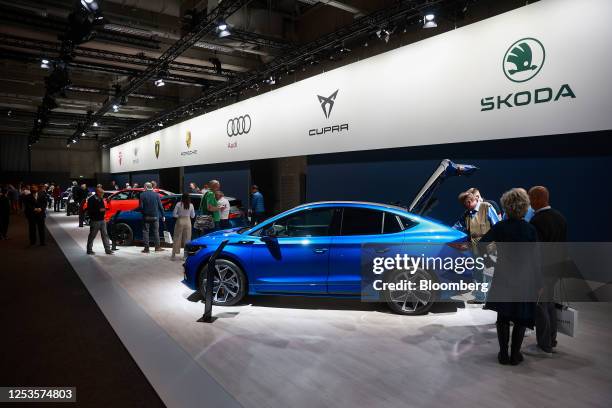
(575, 169)
(120, 179)
(234, 178)
(144, 176)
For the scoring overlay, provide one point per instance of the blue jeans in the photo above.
(480, 277)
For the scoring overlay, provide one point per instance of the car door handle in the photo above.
(320, 250)
(246, 242)
(382, 251)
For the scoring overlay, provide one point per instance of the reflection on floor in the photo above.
(294, 352)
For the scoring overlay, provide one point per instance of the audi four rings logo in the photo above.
(239, 126)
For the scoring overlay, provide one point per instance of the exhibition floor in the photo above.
(295, 352)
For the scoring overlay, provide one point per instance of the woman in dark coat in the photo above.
(517, 279)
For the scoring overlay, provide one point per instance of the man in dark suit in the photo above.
(35, 210)
(551, 227)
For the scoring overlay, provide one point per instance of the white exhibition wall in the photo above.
(454, 87)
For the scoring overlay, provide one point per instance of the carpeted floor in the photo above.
(54, 334)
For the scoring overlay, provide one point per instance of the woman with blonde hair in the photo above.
(517, 279)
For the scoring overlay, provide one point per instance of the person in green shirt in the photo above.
(209, 204)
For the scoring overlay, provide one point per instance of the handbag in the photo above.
(204, 222)
(567, 316)
(167, 235)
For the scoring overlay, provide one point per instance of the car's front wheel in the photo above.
(411, 302)
(229, 283)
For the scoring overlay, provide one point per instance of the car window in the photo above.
(169, 203)
(407, 222)
(391, 224)
(135, 195)
(124, 195)
(307, 223)
(361, 221)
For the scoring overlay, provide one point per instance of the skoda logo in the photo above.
(157, 146)
(239, 126)
(524, 60)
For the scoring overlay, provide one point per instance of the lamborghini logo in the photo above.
(188, 139)
(327, 103)
(157, 146)
(524, 60)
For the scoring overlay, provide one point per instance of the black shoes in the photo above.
(145, 251)
(91, 253)
(109, 252)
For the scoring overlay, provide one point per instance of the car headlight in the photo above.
(192, 249)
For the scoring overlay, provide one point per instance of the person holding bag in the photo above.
(209, 208)
(183, 212)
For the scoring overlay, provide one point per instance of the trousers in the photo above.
(546, 325)
(182, 234)
(146, 238)
(94, 227)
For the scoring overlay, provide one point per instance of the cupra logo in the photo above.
(135, 151)
(524, 60)
(188, 139)
(120, 155)
(157, 146)
(327, 103)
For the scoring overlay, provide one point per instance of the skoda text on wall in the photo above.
(530, 72)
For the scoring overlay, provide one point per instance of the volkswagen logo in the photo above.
(239, 126)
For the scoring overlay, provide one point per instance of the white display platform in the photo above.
(294, 352)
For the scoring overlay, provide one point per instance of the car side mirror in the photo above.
(269, 232)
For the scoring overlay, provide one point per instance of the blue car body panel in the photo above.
(321, 266)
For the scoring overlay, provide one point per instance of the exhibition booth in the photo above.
(522, 96)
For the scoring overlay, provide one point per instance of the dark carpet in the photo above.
(54, 334)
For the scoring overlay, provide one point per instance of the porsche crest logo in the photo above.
(188, 139)
(157, 146)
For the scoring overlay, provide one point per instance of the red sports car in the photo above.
(125, 200)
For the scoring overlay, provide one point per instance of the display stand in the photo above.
(210, 276)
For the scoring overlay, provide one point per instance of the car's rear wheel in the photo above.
(410, 302)
(229, 284)
(123, 234)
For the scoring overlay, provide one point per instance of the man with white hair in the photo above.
(152, 210)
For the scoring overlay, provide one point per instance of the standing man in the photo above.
(96, 211)
(5, 213)
(80, 195)
(152, 210)
(477, 220)
(224, 210)
(35, 205)
(209, 204)
(57, 198)
(551, 227)
(114, 186)
(193, 188)
(258, 209)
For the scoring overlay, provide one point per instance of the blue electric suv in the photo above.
(317, 249)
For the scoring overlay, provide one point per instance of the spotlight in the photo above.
(160, 124)
(82, 133)
(115, 108)
(95, 124)
(160, 82)
(429, 21)
(44, 63)
(222, 29)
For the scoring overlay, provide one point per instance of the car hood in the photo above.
(218, 236)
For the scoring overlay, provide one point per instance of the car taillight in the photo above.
(235, 215)
(460, 246)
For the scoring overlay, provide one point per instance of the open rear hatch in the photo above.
(425, 200)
